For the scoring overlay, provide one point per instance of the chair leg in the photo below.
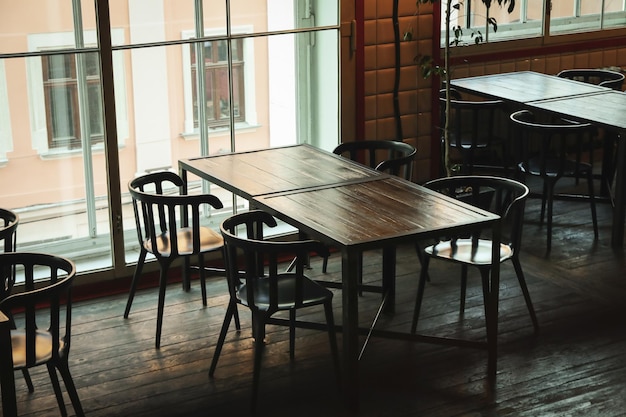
(135, 281)
(592, 202)
(29, 381)
(230, 311)
(420, 292)
(292, 333)
(64, 370)
(161, 305)
(420, 257)
(522, 283)
(463, 287)
(484, 275)
(332, 337)
(258, 324)
(202, 277)
(544, 197)
(550, 198)
(54, 379)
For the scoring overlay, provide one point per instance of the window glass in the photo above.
(527, 18)
(49, 17)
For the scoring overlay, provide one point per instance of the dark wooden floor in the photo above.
(575, 366)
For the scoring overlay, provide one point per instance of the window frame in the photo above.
(6, 137)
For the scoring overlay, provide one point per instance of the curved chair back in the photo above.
(605, 78)
(159, 229)
(472, 128)
(260, 260)
(544, 150)
(393, 157)
(8, 228)
(543, 147)
(41, 314)
(503, 196)
(8, 242)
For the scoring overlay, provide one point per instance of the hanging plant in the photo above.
(430, 67)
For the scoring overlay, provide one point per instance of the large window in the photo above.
(542, 20)
(82, 113)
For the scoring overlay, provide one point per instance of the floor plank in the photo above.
(575, 366)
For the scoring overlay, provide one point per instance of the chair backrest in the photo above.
(503, 196)
(160, 216)
(247, 250)
(8, 241)
(8, 228)
(44, 300)
(543, 148)
(472, 123)
(393, 157)
(606, 78)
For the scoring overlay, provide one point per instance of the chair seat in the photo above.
(43, 347)
(209, 240)
(312, 293)
(568, 168)
(466, 142)
(463, 251)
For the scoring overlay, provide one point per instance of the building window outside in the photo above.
(62, 70)
(216, 83)
(61, 92)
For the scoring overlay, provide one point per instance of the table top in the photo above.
(525, 86)
(370, 214)
(279, 169)
(607, 109)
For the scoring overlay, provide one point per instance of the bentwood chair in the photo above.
(266, 290)
(503, 196)
(605, 139)
(9, 221)
(474, 133)
(544, 149)
(393, 157)
(162, 233)
(41, 316)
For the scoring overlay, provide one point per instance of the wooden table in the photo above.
(358, 211)
(524, 86)
(576, 100)
(249, 174)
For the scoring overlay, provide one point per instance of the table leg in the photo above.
(493, 304)
(350, 337)
(186, 278)
(617, 238)
(389, 278)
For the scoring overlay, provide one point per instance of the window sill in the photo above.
(242, 127)
(65, 152)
